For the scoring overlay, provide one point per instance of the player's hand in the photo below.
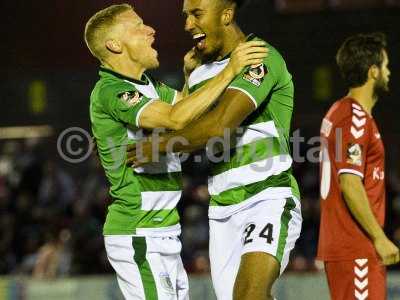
(247, 54)
(387, 251)
(139, 153)
(190, 62)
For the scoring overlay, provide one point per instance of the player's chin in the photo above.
(153, 64)
(208, 54)
(152, 60)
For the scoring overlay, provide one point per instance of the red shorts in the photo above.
(358, 279)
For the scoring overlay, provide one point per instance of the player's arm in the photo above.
(351, 171)
(357, 201)
(160, 114)
(240, 99)
(232, 110)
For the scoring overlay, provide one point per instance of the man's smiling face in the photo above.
(204, 23)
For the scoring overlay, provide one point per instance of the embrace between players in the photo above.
(234, 83)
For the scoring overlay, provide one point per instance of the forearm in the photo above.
(194, 105)
(191, 138)
(357, 201)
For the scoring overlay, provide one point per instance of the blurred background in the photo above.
(52, 207)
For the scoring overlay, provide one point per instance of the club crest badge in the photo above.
(354, 154)
(131, 98)
(255, 74)
(166, 283)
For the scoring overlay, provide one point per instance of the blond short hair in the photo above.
(98, 27)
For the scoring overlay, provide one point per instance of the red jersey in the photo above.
(350, 143)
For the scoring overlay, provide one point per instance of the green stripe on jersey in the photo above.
(242, 193)
(149, 284)
(118, 223)
(283, 234)
(197, 86)
(160, 182)
(249, 153)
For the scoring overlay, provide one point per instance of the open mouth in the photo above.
(199, 40)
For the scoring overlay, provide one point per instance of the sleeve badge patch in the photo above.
(354, 154)
(131, 98)
(255, 74)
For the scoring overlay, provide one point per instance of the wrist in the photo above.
(228, 73)
(378, 236)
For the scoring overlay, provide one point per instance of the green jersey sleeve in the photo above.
(166, 93)
(123, 102)
(257, 82)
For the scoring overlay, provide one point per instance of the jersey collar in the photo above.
(107, 72)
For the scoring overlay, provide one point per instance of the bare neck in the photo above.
(231, 39)
(364, 95)
(125, 67)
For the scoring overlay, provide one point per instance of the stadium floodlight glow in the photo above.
(25, 132)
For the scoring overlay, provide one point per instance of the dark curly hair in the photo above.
(358, 54)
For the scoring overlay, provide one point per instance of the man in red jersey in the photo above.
(352, 243)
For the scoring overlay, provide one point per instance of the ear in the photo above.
(114, 46)
(227, 16)
(373, 72)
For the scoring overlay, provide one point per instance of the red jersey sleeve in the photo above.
(352, 135)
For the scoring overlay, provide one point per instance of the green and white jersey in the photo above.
(259, 167)
(143, 199)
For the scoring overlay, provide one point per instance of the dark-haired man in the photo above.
(142, 224)
(351, 242)
(254, 210)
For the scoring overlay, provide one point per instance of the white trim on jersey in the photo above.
(257, 132)
(207, 71)
(160, 200)
(250, 173)
(351, 171)
(273, 193)
(173, 230)
(168, 163)
(148, 90)
(245, 92)
(175, 97)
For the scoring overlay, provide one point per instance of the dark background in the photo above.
(46, 77)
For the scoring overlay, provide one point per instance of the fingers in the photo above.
(259, 50)
(395, 257)
(255, 56)
(252, 62)
(252, 59)
(136, 155)
(251, 56)
(130, 148)
(392, 258)
(251, 44)
(133, 161)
